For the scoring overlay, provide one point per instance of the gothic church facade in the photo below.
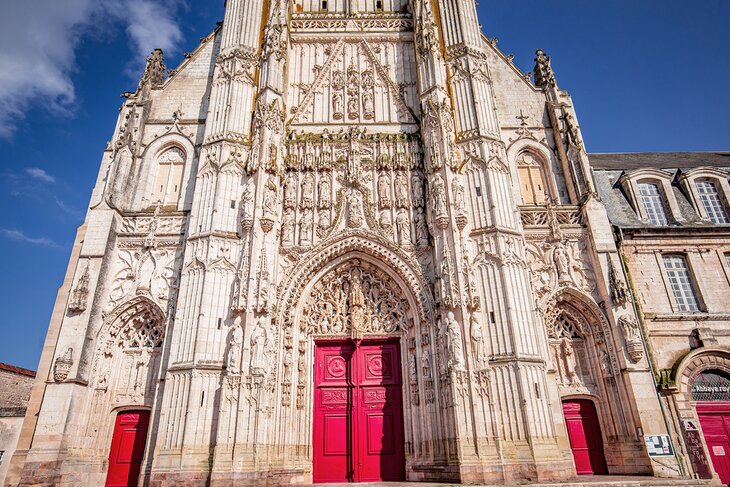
(344, 240)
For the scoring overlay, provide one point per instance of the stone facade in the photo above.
(15, 384)
(342, 170)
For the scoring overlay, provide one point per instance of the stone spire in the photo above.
(154, 71)
(544, 75)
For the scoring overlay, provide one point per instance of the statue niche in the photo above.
(355, 299)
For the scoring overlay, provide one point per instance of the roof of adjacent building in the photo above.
(608, 169)
(628, 161)
(16, 370)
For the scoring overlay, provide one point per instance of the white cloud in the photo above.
(19, 236)
(40, 174)
(38, 40)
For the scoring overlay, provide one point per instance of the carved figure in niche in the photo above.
(367, 105)
(337, 104)
(259, 341)
(324, 219)
(384, 190)
(454, 343)
(566, 347)
(287, 228)
(353, 108)
(562, 263)
(354, 214)
(290, 191)
(386, 221)
(427, 364)
(270, 197)
(305, 228)
(357, 302)
(458, 189)
(324, 190)
(421, 228)
(417, 190)
(401, 190)
(413, 369)
(234, 353)
(308, 191)
(445, 279)
(438, 196)
(248, 200)
(404, 227)
(478, 345)
(606, 363)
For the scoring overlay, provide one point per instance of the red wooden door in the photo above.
(127, 451)
(715, 421)
(358, 416)
(584, 433)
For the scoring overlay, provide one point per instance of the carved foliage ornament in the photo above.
(355, 299)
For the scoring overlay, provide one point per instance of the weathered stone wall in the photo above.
(15, 385)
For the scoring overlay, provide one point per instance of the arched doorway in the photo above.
(584, 433)
(711, 391)
(355, 315)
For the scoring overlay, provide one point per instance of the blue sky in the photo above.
(645, 75)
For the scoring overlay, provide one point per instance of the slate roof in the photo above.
(608, 168)
(628, 161)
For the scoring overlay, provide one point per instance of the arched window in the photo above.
(711, 385)
(710, 197)
(170, 167)
(532, 179)
(653, 202)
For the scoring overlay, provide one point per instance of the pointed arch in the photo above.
(138, 323)
(367, 247)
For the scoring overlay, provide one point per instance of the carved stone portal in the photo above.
(355, 299)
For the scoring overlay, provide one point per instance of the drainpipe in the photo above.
(647, 350)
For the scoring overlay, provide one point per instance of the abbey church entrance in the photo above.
(358, 414)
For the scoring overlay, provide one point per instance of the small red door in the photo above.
(715, 421)
(127, 451)
(585, 438)
(358, 416)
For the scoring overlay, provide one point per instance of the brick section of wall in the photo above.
(16, 384)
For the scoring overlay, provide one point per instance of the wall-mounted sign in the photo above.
(658, 445)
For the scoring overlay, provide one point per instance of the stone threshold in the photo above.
(592, 481)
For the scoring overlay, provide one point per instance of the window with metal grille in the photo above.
(710, 198)
(711, 385)
(680, 282)
(727, 260)
(653, 203)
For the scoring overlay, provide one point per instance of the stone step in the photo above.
(594, 481)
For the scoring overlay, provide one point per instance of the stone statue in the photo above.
(478, 344)
(324, 189)
(453, 340)
(270, 197)
(234, 352)
(337, 104)
(248, 200)
(305, 228)
(287, 228)
(368, 107)
(386, 221)
(421, 228)
(417, 190)
(308, 191)
(324, 219)
(290, 191)
(404, 227)
(438, 196)
(458, 189)
(384, 190)
(401, 190)
(258, 343)
(562, 264)
(570, 362)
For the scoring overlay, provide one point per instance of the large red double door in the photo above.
(358, 415)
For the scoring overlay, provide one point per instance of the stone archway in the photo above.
(360, 289)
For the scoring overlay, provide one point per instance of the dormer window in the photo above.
(651, 199)
(710, 198)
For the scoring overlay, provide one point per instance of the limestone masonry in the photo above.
(348, 240)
